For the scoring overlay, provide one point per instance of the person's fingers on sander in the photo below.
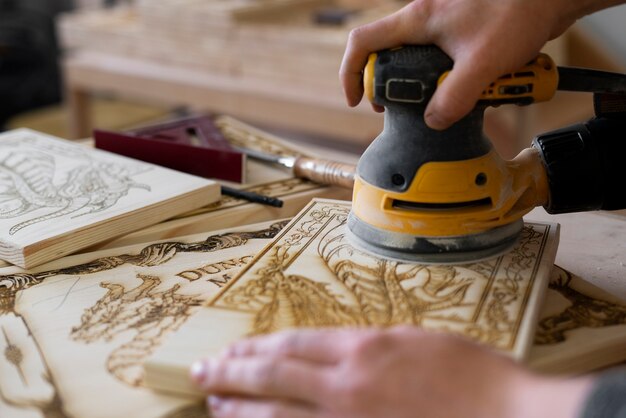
(401, 27)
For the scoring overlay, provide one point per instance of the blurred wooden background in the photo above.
(271, 62)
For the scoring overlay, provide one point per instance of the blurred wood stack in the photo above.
(271, 62)
(286, 48)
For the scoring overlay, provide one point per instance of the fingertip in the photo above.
(198, 372)
(456, 96)
(352, 89)
(353, 100)
(350, 79)
(435, 121)
(448, 106)
(378, 108)
(215, 403)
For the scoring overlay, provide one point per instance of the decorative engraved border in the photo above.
(495, 319)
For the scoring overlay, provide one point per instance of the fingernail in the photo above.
(434, 121)
(215, 403)
(198, 371)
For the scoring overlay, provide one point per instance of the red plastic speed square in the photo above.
(193, 145)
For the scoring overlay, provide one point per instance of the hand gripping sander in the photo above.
(446, 196)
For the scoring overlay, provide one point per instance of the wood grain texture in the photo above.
(310, 276)
(57, 197)
(74, 332)
(593, 247)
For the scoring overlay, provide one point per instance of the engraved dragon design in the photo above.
(30, 181)
(363, 290)
(375, 287)
(147, 313)
(144, 312)
(584, 311)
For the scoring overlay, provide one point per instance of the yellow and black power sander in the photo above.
(446, 196)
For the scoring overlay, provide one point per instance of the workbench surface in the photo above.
(592, 246)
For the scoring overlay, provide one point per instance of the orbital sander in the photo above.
(424, 195)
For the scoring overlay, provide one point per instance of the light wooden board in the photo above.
(57, 197)
(593, 247)
(310, 276)
(74, 332)
(581, 327)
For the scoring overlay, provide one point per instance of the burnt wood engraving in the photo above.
(133, 318)
(312, 276)
(583, 312)
(31, 181)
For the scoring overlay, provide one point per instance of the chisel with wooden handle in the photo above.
(321, 171)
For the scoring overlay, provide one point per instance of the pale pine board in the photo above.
(74, 332)
(495, 301)
(57, 197)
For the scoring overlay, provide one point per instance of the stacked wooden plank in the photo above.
(59, 197)
(280, 41)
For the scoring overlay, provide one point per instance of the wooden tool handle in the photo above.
(325, 172)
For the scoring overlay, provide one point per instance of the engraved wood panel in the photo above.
(57, 197)
(311, 276)
(74, 332)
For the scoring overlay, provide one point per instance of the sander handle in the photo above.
(537, 81)
(584, 164)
